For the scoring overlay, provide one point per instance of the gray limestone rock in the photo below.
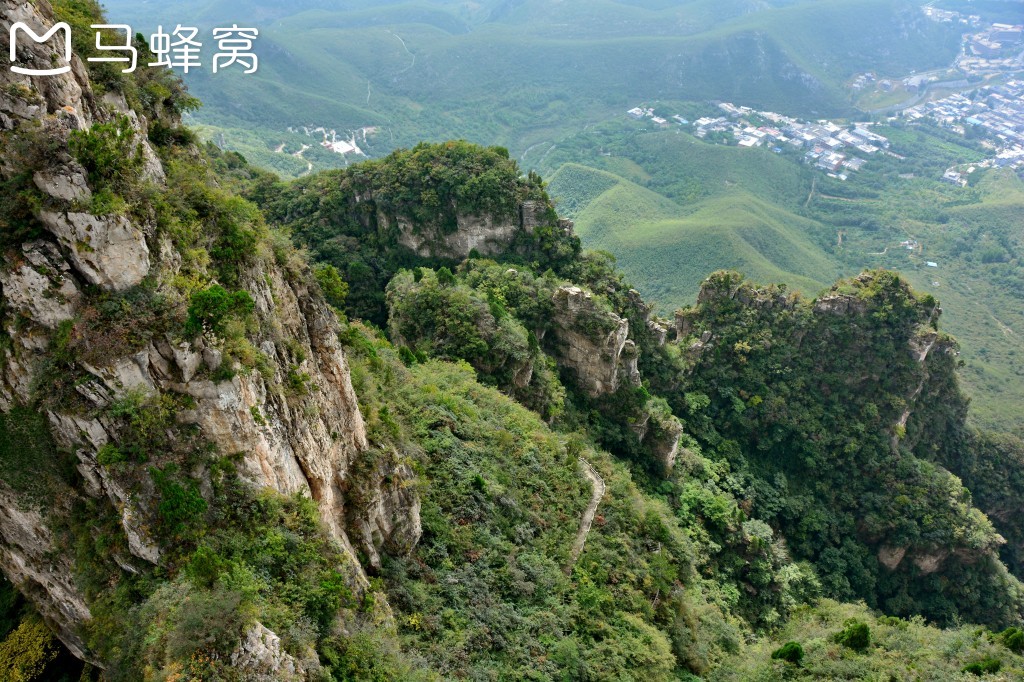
(107, 251)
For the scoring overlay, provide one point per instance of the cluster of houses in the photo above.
(949, 17)
(995, 39)
(991, 41)
(334, 142)
(826, 145)
(995, 49)
(910, 83)
(997, 109)
(642, 113)
(866, 80)
(830, 146)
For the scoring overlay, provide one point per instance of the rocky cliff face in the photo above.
(594, 343)
(487, 235)
(661, 433)
(298, 441)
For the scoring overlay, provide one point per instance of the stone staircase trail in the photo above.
(588, 516)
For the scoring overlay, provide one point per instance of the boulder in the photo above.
(42, 287)
(107, 251)
(65, 184)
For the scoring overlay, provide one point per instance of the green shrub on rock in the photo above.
(334, 287)
(212, 307)
(856, 635)
(110, 155)
(791, 652)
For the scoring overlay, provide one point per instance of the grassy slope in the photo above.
(899, 649)
(983, 304)
(668, 249)
(485, 594)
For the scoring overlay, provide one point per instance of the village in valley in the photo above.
(833, 148)
(988, 54)
(329, 140)
(994, 112)
(988, 48)
(987, 103)
(333, 142)
(980, 98)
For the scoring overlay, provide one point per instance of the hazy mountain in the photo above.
(519, 73)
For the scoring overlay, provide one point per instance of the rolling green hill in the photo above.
(670, 249)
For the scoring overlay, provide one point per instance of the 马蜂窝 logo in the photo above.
(21, 27)
(182, 53)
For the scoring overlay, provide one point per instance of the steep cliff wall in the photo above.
(595, 345)
(484, 234)
(291, 420)
(593, 342)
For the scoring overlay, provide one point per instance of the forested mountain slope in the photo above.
(211, 469)
(832, 413)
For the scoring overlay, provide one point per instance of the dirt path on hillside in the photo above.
(814, 186)
(832, 196)
(588, 516)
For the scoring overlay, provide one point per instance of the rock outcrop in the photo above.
(929, 560)
(68, 92)
(108, 251)
(486, 235)
(593, 342)
(840, 304)
(644, 313)
(66, 185)
(263, 659)
(32, 560)
(661, 433)
(41, 286)
(375, 523)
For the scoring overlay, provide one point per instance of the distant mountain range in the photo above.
(521, 73)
